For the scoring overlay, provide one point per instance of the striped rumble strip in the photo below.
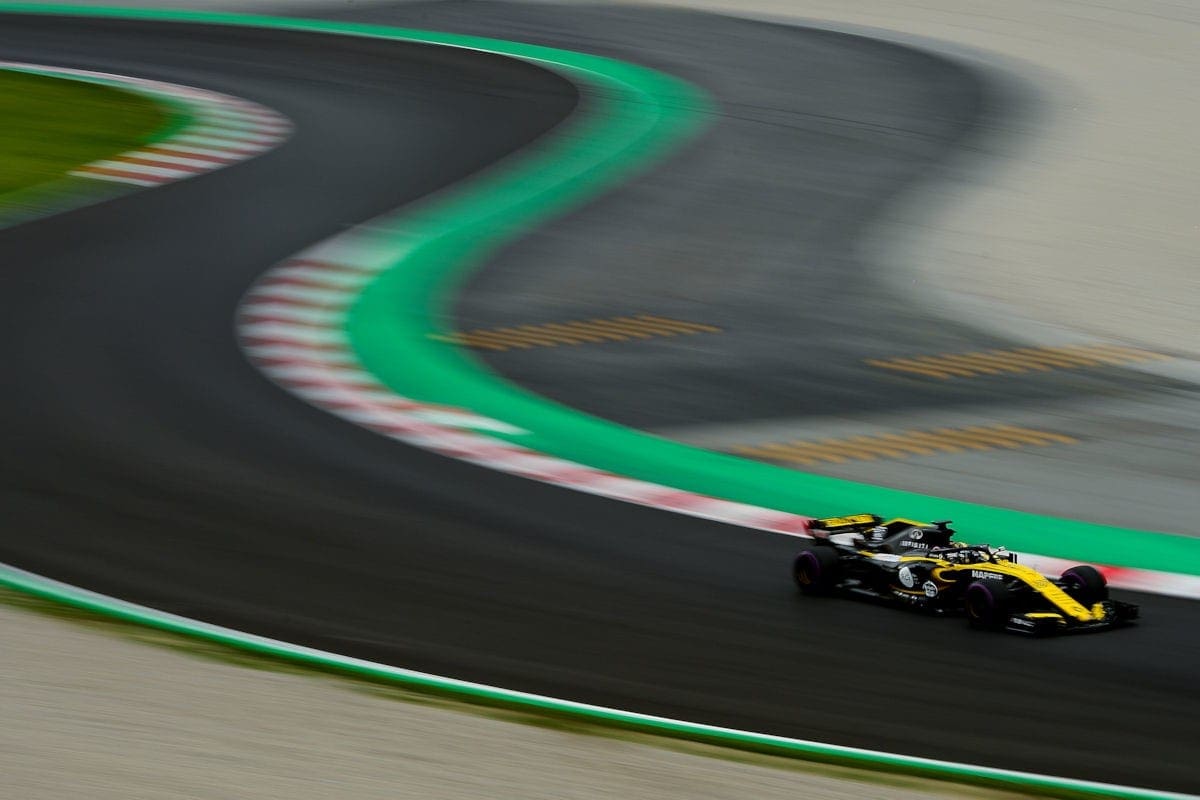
(291, 326)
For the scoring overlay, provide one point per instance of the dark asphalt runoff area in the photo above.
(146, 459)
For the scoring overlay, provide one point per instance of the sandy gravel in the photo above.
(91, 712)
(1088, 219)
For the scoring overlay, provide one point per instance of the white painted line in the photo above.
(247, 138)
(310, 315)
(300, 292)
(295, 334)
(174, 146)
(140, 169)
(166, 159)
(338, 279)
(115, 178)
(228, 145)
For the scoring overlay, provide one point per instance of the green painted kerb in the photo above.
(492, 695)
(630, 116)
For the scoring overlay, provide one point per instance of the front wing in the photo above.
(1051, 623)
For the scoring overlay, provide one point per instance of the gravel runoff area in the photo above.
(98, 710)
(1088, 222)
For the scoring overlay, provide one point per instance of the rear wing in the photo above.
(853, 522)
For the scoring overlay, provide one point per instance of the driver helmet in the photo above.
(961, 555)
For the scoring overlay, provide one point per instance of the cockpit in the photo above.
(973, 554)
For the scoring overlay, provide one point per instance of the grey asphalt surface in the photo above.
(755, 230)
(146, 459)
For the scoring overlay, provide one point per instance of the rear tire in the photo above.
(816, 570)
(986, 604)
(1085, 584)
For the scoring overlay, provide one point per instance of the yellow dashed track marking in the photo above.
(592, 331)
(1024, 359)
(904, 444)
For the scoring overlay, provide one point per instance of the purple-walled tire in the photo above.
(816, 570)
(986, 604)
(1086, 584)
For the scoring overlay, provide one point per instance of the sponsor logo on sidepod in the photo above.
(988, 576)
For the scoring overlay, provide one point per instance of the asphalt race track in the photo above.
(144, 458)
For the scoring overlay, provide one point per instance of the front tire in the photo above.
(1085, 584)
(987, 604)
(816, 570)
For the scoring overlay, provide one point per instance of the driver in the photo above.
(960, 553)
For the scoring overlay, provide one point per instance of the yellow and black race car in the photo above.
(920, 565)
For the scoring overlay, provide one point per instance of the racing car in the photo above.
(920, 565)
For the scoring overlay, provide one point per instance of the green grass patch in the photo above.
(52, 125)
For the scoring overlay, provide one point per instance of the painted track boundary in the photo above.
(74, 596)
